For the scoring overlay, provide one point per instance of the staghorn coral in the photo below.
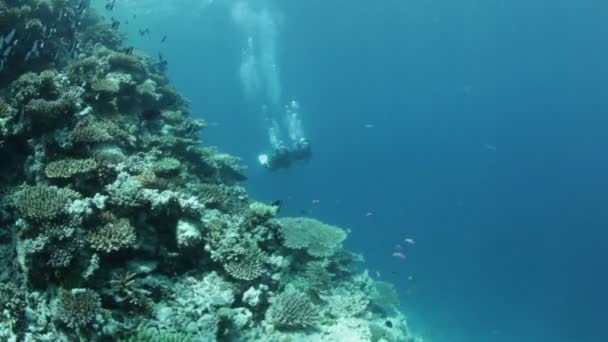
(67, 168)
(77, 308)
(42, 202)
(292, 309)
(317, 238)
(113, 236)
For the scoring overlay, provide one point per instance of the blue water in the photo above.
(485, 142)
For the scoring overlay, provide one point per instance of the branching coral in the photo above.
(159, 337)
(292, 309)
(12, 300)
(87, 132)
(246, 266)
(67, 168)
(77, 308)
(46, 112)
(42, 202)
(113, 236)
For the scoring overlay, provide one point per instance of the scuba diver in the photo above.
(282, 157)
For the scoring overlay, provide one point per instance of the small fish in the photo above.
(110, 5)
(115, 24)
(378, 274)
(163, 39)
(398, 247)
(306, 212)
(489, 147)
(368, 126)
(82, 7)
(399, 255)
(33, 51)
(316, 201)
(410, 241)
(277, 204)
(368, 214)
(74, 46)
(129, 50)
(7, 51)
(394, 273)
(10, 36)
(144, 31)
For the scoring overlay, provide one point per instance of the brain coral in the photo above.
(319, 239)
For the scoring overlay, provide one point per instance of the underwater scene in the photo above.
(319, 170)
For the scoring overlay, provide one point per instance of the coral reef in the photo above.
(118, 224)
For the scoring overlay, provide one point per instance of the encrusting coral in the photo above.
(118, 224)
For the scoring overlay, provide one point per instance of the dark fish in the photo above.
(388, 323)
(277, 204)
(115, 24)
(306, 212)
(150, 114)
(129, 50)
(162, 62)
(110, 5)
(163, 39)
(7, 51)
(10, 36)
(82, 7)
(143, 32)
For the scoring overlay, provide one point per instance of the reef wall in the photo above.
(118, 224)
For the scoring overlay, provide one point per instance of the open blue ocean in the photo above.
(476, 130)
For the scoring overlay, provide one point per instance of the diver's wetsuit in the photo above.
(283, 157)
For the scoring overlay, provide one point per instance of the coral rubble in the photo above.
(118, 224)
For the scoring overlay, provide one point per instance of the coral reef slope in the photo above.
(118, 224)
